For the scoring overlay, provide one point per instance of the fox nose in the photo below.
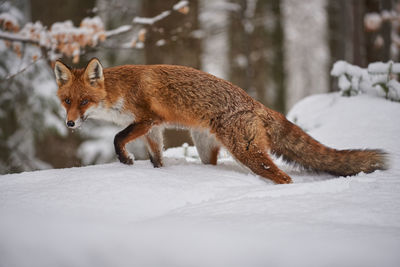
(70, 123)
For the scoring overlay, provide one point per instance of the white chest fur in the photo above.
(114, 114)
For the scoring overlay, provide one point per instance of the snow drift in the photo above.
(189, 214)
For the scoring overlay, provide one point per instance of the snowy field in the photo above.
(189, 214)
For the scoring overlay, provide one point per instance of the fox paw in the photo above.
(285, 179)
(126, 160)
(157, 163)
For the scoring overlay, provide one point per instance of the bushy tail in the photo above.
(294, 145)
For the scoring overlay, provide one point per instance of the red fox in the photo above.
(146, 98)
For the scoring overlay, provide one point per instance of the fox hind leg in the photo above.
(247, 140)
(207, 146)
(261, 163)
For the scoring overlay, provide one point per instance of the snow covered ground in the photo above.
(189, 214)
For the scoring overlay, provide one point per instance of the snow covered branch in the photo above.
(182, 6)
(138, 41)
(379, 79)
(65, 39)
(374, 21)
(151, 21)
(117, 31)
(15, 37)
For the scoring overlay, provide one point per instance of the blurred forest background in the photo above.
(279, 51)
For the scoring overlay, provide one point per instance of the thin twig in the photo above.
(11, 76)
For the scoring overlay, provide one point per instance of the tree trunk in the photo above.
(256, 51)
(346, 34)
(178, 47)
(376, 50)
(306, 49)
(61, 151)
(358, 34)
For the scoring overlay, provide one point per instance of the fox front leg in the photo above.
(128, 134)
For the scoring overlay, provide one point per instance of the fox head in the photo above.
(80, 90)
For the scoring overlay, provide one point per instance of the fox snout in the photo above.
(70, 124)
(74, 116)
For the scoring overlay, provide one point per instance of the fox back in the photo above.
(145, 98)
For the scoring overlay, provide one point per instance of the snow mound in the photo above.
(189, 214)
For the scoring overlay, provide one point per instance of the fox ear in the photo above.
(62, 72)
(94, 71)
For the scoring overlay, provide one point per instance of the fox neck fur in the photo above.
(145, 97)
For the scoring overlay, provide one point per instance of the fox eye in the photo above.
(84, 102)
(67, 101)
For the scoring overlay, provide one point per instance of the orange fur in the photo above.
(155, 95)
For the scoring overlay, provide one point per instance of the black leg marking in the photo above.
(119, 145)
(155, 161)
(151, 159)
